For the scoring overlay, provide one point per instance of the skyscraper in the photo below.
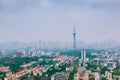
(83, 55)
(74, 38)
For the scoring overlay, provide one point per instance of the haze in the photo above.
(53, 20)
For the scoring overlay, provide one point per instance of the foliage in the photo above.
(54, 70)
(2, 75)
(116, 72)
(71, 53)
(15, 63)
(71, 76)
(104, 78)
(104, 69)
(92, 79)
(77, 53)
(92, 67)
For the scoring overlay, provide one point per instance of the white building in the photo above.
(108, 75)
(111, 65)
(53, 77)
(97, 76)
(83, 55)
(77, 76)
(86, 76)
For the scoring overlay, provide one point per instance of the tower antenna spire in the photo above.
(74, 28)
(74, 37)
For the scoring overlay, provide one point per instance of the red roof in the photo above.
(82, 77)
(4, 68)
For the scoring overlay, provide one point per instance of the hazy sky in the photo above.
(53, 20)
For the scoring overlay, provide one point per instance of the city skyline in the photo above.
(50, 20)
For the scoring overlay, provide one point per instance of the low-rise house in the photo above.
(4, 69)
(69, 68)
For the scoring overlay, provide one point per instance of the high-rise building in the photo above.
(74, 38)
(108, 75)
(86, 76)
(77, 76)
(18, 54)
(97, 76)
(83, 55)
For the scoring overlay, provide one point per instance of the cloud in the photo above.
(45, 3)
(24, 20)
(102, 3)
(8, 4)
(17, 5)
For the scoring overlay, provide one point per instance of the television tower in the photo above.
(74, 37)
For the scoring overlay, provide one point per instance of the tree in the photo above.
(104, 69)
(104, 78)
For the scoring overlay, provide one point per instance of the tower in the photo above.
(74, 38)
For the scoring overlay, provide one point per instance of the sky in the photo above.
(53, 20)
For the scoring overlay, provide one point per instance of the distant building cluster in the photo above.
(32, 53)
(108, 60)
